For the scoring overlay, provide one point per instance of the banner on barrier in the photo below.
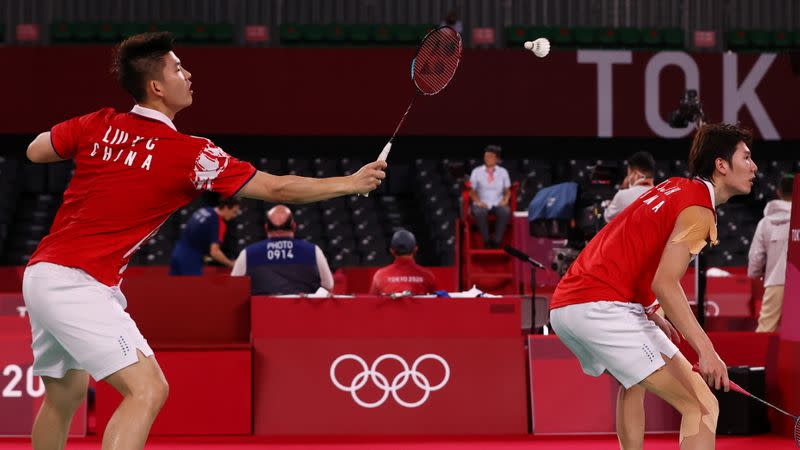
(588, 93)
(415, 366)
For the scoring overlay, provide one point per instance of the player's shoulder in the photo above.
(696, 214)
(103, 114)
(196, 143)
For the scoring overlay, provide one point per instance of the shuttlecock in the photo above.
(540, 47)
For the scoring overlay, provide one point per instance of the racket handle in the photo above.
(733, 385)
(382, 157)
(385, 152)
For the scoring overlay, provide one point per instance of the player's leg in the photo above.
(502, 215)
(685, 390)
(630, 417)
(62, 398)
(481, 216)
(144, 391)
(770, 314)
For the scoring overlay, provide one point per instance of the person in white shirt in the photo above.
(768, 252)
(641, 168)
(490, 195)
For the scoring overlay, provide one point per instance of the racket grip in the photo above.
(733, 385)
(382, 157)
(385, 152)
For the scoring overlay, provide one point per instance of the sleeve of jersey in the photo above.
(215, 170)
(696, 227)
(65, 136)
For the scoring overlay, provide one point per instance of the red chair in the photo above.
(491, 270)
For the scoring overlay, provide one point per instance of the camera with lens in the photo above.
(690, 110)
(579, 212)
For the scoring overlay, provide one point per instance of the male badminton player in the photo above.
(603, 308)
(132, 170)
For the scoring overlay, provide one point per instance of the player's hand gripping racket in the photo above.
(741, 390)
(432, 68)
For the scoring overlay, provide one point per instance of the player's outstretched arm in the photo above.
(688, 238)
(41, 150)
(295, 189)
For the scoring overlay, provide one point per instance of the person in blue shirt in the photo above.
(203, 235)
(282, 264)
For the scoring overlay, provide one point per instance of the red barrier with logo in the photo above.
(21, 393)
(338, 366)
(497, 92)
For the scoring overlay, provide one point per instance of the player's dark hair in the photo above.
(229, 202)
(643, 162)
(786, 185)
(287, 224)
(712, 141)
(140, 58)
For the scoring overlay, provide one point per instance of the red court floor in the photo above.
(662, 442)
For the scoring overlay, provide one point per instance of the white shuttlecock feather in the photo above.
(540, 47)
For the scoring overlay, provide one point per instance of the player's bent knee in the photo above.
(153, 394)
(700, 415)
(65, 393)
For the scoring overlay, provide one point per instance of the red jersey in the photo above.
(619, 263)
(132, 170)
(403, 275)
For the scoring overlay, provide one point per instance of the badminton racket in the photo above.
(432, 68)
(741, 390)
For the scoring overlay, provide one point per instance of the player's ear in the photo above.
(722, 166)
(155, 87)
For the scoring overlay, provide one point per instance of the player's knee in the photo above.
(703, 411)
(67, 401)
(712, 413)
(153, 394)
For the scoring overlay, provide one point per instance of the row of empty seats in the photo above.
(421, 195)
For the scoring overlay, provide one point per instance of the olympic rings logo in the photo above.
(371, 373)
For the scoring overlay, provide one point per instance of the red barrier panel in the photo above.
(379, 366)
(789, 365)
(210, 392)
(190, 310)
(604, 93)
(559, 387)
(20, 392)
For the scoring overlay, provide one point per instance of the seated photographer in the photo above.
(641, 168)
(490, 195)
(283, 264)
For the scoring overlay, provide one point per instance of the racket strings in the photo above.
(437, 60)
(797, 432)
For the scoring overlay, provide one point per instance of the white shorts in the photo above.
(78, 323)
(613, 336)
